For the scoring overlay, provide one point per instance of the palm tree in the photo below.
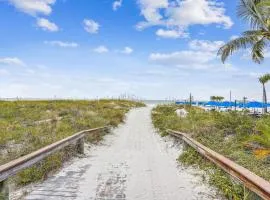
(257, 14)
(216, 98)
(219, 98)
(263, 80)
(213, 98)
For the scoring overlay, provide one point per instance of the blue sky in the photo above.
(154, 49)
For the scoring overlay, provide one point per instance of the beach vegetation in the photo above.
(236, 135)
(26, 126)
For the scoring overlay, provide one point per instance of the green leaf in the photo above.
(236, 44)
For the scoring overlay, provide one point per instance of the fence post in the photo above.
(185, 145)
(107, 129)
(80, 146)
(4, 190)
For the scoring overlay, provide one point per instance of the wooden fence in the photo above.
(15, 166)
(250, 180)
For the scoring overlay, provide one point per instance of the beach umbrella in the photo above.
(242, 105)
(226, 104)
(201, 103)
(179, 102)
(254, 104)
(212, 104)
(184, 103)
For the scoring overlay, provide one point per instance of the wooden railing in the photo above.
(250, 180)
(15, 166)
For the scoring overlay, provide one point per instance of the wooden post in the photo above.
(80, 146)
(106, 130)
(185, 145)
(4, 190)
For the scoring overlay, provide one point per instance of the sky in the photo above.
(152, 49)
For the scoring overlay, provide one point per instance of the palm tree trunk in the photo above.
(264, 100)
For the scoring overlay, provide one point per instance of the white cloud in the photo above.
(150, 9)
(46, 25)
(255, 74)
(91, 26)
(201, 55)
(101, 49)
(205, 45)
(192, 60)
(33, 7)
(182, 14)
(187, 58)
(62, 44)
(117, 4)
(127, 50)
(36, 8)
(12, 61)
(173, 34)
(243, 74)
(190, 12)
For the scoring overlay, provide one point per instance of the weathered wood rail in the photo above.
(15, 166)
(250, 180)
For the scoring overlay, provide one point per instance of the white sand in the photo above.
(133, 163)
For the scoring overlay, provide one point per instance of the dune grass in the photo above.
(24, 128)
(236, 135)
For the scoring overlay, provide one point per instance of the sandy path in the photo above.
(133, 163)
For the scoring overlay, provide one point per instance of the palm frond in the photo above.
(249, 11)
(258, 33)
(236, 44)
(264, 3)
(257, 13)
(258, 50)
(264, 78)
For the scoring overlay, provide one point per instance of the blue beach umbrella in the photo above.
(254, 104)
(201, 103)
(226, 104)
(242, 105)
(184, 103)
(179, 102)
(212, 104)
